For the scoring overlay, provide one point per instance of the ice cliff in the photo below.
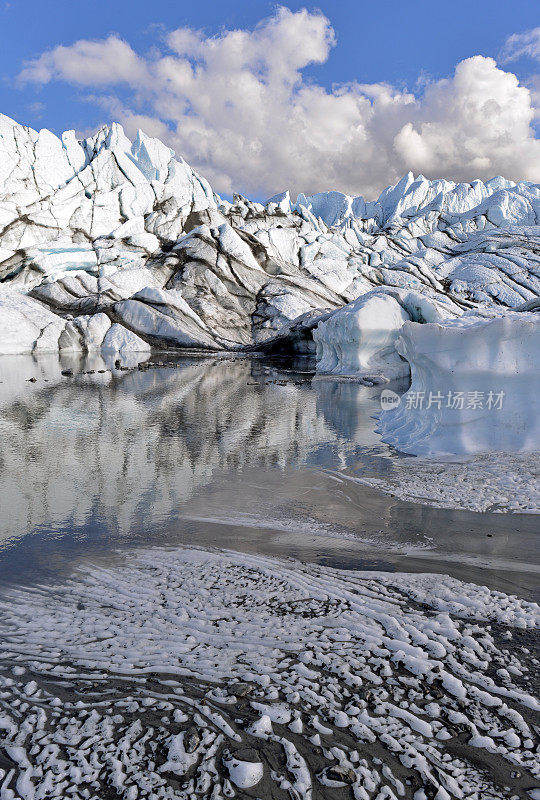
(475, 386)
(107, 234)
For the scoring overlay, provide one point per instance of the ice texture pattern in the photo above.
(127, 231)
(227, 672)
(475, 386)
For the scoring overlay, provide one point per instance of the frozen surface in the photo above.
(196, 673)
(475, 386)
(500, 482)
(127, 229)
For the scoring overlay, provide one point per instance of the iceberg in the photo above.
(359, 340)
(475, 386)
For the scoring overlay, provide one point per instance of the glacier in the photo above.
(119, 245)
(475, 386)
(360, 339)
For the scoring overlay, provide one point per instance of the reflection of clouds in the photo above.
(123, 446)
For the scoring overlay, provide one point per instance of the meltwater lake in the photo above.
(246, 454)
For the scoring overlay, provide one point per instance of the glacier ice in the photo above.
(26, 325)
(106, 226)
(359, 339)
(118, 245)
(475, 385)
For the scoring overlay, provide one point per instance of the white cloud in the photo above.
(37, 109)
(521, 44)
(87, 63)
(477, 123)
(239, 109)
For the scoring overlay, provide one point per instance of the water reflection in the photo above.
(121, 444)
(216, 451)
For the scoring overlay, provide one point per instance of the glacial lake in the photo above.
(240, 453)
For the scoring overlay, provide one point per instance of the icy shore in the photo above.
(190, 672)
(490, 482)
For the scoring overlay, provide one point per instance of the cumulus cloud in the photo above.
(238, 107)
(521, 44)
(87, 63)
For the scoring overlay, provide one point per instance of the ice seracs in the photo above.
(100, 226)
(27, 326)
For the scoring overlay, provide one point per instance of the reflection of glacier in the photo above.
(125, 446)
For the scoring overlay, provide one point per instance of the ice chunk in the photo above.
(244, 774)
(359, 339)
(120, 339)
(475, 386)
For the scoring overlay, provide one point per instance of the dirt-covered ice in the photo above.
(188, 673)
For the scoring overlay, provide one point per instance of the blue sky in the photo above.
(408, 46)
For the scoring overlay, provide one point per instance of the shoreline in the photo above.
(312, 682)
